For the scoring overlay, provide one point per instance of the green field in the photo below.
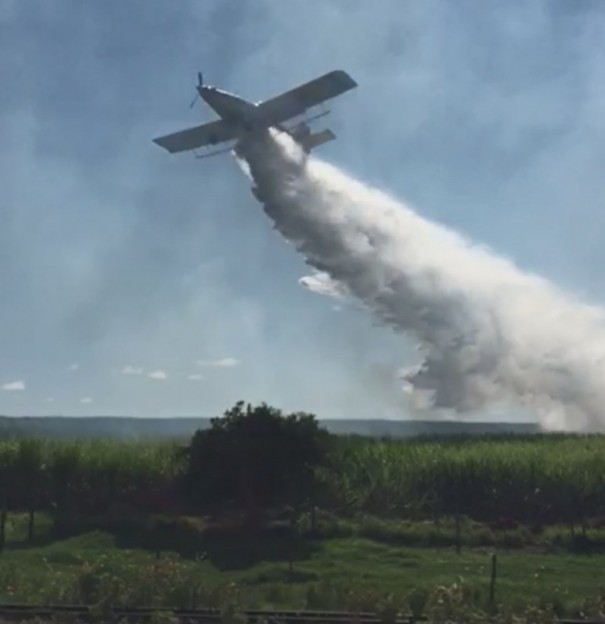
(87, 521)
(537, 480)
(248, 571)
(534, 480)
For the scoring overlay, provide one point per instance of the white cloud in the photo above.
(74, 367)
(226, 362)
(195, 377)
(14, 386)
(49, 400)
(132, 370)
(159, 375)
(86, 400)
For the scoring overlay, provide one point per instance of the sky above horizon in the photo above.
(141, 283)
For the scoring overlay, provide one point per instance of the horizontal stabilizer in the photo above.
(311, 141)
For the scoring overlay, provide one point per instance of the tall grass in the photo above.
(535, 480)
(87, 475)
(542, 479)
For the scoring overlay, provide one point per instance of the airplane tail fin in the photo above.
(311, 141)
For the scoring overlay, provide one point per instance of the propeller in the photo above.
(200, 84)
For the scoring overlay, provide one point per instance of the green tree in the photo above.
(255, 459)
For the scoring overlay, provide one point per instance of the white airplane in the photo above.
(240, 119)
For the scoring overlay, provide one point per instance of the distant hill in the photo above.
(124, 427)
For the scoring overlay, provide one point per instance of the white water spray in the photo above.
(490, 333)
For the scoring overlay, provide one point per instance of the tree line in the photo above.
(251, 459)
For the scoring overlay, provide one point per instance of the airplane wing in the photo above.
(206, 134)
(298, 100)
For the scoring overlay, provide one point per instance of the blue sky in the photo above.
(119, 261)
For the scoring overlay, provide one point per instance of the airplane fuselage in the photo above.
(231, 108)
(240, 113)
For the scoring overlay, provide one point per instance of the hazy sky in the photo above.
(136, 282)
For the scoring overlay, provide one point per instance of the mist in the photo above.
(487, 331)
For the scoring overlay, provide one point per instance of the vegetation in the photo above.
(378, 518)
(255, 459)
(243, 571)
(503, 481)
(538, 480)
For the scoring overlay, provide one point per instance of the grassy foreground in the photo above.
(269, 572)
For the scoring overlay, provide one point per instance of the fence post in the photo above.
(3, 514)
(457, 533)
(312, 497)
(30, 524)
(492, 584)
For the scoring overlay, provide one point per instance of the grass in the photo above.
(271, 571)
(538, 480)
(389, 534)
(443, 534)
(541, 480)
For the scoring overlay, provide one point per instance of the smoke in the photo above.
(488, 333)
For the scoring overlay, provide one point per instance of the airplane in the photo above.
(241, 120)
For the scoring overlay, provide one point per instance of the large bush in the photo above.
(255, 458)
